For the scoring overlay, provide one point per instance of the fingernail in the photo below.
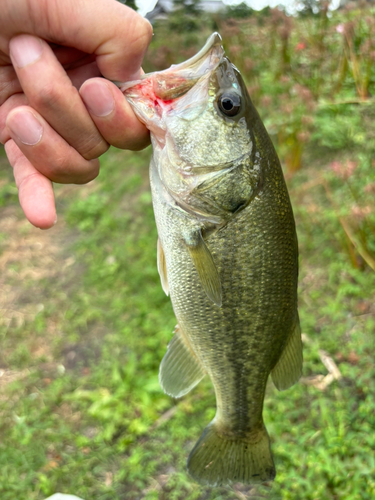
(25, 49)
(26, 127)
(98, 98)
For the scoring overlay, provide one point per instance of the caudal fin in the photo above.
(218, 459)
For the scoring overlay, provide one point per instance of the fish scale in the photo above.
(227, 255)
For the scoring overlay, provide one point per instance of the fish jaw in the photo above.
(157, 95)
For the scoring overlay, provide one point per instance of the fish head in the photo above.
(198, 105)
(200, 117)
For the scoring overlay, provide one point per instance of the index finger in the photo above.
(116, 34)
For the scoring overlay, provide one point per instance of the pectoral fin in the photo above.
(162, 268)
(206, 268)
(288, 369)
(180, 369)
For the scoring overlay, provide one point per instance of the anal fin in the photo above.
(206, 268)
(180, 369)
(162, 268)
(288, 369)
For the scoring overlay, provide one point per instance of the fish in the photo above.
(227, 255)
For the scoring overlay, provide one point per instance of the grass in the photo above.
(85, 323)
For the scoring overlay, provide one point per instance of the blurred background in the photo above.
(84, 322)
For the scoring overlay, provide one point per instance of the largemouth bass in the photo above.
(227, 255)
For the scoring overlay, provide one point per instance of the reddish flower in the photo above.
(370, 188)
(340, 28)
(344, 171)
(361, 212)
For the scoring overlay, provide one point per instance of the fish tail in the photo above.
(220, 459)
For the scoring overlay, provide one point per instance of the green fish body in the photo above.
(227, 255)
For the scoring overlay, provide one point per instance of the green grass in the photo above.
(85, 323)
(83, 417)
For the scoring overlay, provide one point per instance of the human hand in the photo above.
(51, 130)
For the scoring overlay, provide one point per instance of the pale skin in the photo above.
(57, 115)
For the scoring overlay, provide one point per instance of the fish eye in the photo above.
(229, 104)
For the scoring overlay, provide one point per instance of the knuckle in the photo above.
(13, 102)
(146, 30)
(91, 173)
(9, 83)
(139, 143)
(92, 148)
(72, 170)
(143, 32)
(58, 167)
(49, 96)
(27, 179)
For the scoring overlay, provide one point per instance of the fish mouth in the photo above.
(177, 80)
(181, 89)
